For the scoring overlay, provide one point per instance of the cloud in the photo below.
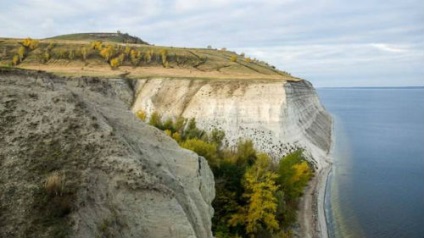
(321, 40)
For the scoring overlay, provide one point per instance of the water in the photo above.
(376, 188)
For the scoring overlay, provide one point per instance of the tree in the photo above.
(114, 63)
(294, 173)
(21, 53)
(135, 56)
(30, 43)
(246, 153)
(260, 188)
(107, 52)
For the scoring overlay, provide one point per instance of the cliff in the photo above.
(74, 161)
(278, 115)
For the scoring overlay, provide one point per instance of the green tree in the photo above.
(246, 153)
(260, 189)
(294, 173)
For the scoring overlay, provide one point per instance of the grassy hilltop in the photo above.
(114, 54)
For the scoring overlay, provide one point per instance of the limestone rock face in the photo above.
(118, 176)
(277, 115)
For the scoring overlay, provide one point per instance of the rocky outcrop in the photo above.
(277, 115)
(118, 176)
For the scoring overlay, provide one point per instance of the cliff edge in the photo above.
(278, 115)
(74, 161)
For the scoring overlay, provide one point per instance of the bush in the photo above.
(233, 58)
(202, 148)
(30, 43)
(54, 184)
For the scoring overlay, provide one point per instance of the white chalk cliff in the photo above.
(277, 115)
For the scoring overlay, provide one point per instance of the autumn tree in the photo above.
(107, 52)
(135, 57)
(294, 174)
(21, 53)
(260, 188)
(30, 43)
(96, 45)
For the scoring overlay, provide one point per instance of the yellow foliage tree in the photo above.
(96, 45)
(148, 56)
(260, 189)
(107, 52)
(135, 57)
(30, 43)
(21, 53)
(115, 63)
(302, 172)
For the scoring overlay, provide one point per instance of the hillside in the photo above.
(104, 54)
(75, 162)
(109, 37)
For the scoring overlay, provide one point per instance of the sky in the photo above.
(331, 43)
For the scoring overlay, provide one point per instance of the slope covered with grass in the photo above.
(110, 55)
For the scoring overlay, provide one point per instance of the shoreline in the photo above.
(312, 219)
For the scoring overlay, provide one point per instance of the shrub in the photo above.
(233, 58)
(141, 115)
(115, 63)
(71, 54)
(84, 53)
(135, 56)
(155, 120)
(54, 184)
(202, 148)
(164, 55)
(96, 45)
(21, 53)
(30, 43)
(107, 52)
(15, 60)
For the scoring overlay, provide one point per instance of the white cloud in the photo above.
(321, 40)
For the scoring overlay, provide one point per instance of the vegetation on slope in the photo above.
(117, 37)
(94, 55)
(254, 194)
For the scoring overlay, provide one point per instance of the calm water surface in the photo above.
(376, 188)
